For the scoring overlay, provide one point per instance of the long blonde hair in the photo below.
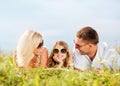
(27, 43)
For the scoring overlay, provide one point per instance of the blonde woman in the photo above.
(30, 52)
(60, 56)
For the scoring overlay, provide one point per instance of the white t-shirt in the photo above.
(105, 57)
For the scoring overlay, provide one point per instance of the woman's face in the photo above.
(60, 52)
(39, 49)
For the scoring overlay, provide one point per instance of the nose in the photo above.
(59, 53)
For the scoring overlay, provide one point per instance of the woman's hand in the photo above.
(38, 51)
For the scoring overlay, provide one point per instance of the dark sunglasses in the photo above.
(40, 44)
(57, 51)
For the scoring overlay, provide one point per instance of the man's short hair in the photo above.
(88, 34)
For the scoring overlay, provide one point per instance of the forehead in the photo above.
(80, 41)
(59, 46)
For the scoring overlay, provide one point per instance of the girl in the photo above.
(60, 56)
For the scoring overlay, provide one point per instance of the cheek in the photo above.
(64, 56)
(54, 57)
(83, 48)
(35, 51)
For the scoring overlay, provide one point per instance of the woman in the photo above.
(60, 56)
(30, 52)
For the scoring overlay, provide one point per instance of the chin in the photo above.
(82, 53)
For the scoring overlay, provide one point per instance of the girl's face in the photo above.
(60, 52)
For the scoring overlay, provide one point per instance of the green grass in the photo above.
(12, 76)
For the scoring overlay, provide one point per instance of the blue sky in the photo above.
(58, 19)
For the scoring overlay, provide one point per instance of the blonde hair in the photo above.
(27, 43)
(68, 59)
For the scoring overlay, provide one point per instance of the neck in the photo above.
(93, 52)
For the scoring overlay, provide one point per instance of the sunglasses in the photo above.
(57, 51)
(40, 44)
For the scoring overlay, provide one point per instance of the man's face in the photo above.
(82, 46)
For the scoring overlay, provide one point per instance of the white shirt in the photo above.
(105, 57)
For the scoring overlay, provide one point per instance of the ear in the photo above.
(90, 45)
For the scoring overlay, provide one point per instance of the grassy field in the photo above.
(12, 76)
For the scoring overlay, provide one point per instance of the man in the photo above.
(88, 52)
